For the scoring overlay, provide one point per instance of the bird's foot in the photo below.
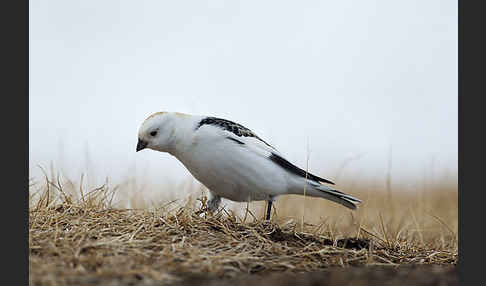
(213, 203)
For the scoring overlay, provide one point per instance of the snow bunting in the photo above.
(232, 161)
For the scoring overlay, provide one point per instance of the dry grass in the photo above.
(77, 237)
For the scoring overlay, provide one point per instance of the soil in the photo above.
(417, 275)
(356, 276)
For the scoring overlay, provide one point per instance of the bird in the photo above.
(231, 161)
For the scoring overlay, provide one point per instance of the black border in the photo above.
(471, 73)
(460, 161)
(15, 144)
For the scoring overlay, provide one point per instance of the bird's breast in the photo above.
(233, 172)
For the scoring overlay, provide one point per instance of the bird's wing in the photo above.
(238, 134)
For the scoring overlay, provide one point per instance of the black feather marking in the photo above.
(233, 127)
(236, 140)
(296, 170)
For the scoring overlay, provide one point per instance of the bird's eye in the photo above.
(153, 133)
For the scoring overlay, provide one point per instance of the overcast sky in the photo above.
(339, 79)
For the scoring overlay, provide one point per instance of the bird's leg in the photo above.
(269, 207)
(269, 210)
(213, 202)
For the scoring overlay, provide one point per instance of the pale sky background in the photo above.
(343, 78)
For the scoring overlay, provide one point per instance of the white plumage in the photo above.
(231, 160)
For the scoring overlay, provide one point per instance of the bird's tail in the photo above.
(323, 191)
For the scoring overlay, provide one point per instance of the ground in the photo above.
(84, 241)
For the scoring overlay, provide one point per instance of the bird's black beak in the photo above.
(141, 145)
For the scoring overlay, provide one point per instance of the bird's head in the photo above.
(156, 133)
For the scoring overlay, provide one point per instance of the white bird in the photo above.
(232, 161)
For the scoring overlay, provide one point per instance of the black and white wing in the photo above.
(243, 136)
